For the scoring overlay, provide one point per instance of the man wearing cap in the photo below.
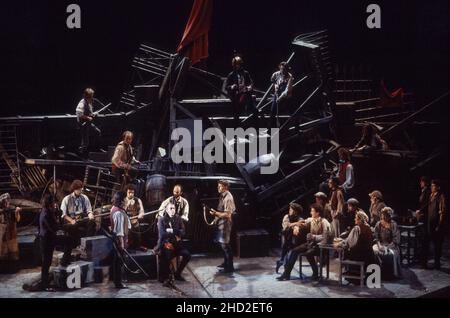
(224, 222)
(376, 205)
(9, 217)
(358, 245)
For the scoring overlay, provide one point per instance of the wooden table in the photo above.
(328, 248)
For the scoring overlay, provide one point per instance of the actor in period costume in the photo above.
(424, 198)
(434, 224)
(239, 86)
(358, 245)
(9, 246)
(376, 205)
(134, 207)
(181, 204)
(48, 239)
(85, 116)
(170, 245)
(350, 213)
(387, 242)
(78, 218)
(322, 200)
(290, 220)
(123, 159)
(345, 172)
(318, 231)
(224, 222)
(120, 227)
(336, 206)
(283, 82)
(370, 139)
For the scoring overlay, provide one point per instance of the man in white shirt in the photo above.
(85, 116)
(181, 204)
(120, 226)
(78, 218)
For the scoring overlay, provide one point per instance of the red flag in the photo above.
(195, 38)
(388, 99)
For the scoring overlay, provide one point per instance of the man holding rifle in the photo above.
(78, 218)
(134, 207)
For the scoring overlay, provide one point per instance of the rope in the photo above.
(206, 220)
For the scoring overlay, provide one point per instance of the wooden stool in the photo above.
(345, 263)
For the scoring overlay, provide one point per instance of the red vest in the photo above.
(343, 171)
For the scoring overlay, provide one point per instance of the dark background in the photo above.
(45, 66)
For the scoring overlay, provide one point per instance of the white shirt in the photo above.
(119, 220)
(184, 212)
(80, 109)
(72, 205)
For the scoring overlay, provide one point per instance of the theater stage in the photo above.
(254, 278)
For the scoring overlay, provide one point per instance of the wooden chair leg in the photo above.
(300, 261)
(362, 276)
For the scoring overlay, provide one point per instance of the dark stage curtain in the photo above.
(195, 38)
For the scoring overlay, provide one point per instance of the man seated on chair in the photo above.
(358, 245)
(288, 239)
(318, 230)
(170, 245)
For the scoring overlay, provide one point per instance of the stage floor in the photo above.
(254, 278)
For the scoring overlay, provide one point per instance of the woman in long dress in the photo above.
(386, 249)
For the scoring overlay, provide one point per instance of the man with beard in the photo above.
(181, 204)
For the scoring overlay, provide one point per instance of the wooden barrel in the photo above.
(155, 190)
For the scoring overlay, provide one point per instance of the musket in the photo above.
(95, 114)
(95, 216)
(147, 213)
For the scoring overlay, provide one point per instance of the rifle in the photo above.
(147, 213)
(124, 255)
(82, 219)
(95, 114)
